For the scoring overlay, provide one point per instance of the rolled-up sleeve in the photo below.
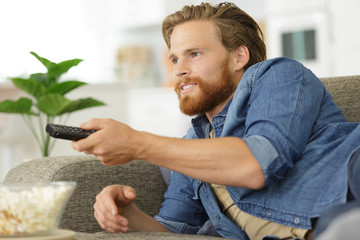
(177, 227)
(263, 151)
(181, 211)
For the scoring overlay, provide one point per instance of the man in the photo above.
(262, 157)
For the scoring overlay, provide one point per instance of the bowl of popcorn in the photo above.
(28, 209)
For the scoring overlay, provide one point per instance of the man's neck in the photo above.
(215, 111)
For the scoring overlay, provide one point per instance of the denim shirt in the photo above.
(298, 135)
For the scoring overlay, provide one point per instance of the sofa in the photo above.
(91, 176)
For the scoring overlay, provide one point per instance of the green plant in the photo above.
(47, 101)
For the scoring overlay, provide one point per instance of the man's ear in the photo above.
(241, 57)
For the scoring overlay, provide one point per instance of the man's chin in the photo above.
(190, 109)
(190, 114)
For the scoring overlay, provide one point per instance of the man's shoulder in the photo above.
(279, 63)
(275, 68)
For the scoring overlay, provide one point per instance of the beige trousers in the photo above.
(256, 228)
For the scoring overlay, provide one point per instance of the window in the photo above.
(299, 45)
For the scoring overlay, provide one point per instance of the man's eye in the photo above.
(195, 54)
(174, 60)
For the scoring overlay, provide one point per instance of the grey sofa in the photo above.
(91, 176)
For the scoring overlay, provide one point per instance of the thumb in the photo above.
(93, 124)
(125, 196)
(130, 194)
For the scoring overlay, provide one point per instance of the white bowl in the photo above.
(28, 209)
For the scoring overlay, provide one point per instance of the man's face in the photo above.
(202, 68)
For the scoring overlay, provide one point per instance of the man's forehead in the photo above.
(193, 35)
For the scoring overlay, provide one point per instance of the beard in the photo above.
(210, 94)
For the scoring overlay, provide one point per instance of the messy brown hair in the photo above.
(235, 27)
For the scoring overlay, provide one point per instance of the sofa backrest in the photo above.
(346, 94)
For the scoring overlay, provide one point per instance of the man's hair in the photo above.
(235, 27)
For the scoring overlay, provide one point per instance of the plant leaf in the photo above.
(22, 106)
(31, 86)
(55, 70)
(64, 66)
(64, 87)
(48, 64)
(60, 68)
(41, 78)
(80, 104)
(52, 104)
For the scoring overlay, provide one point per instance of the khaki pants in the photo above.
(256, 228)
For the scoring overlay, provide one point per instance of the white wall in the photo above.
(345, 37)
(54, 29)
(337, 32)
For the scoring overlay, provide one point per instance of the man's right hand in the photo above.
(112, 206)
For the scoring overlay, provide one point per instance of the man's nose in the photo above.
(182, 69)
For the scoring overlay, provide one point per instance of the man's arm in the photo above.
(226, 161)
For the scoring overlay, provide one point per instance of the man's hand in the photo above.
(116, 213)
(113, 143)
(112, 205)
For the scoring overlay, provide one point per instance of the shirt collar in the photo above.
(202, 125)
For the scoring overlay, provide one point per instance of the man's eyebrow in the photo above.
(171, 55)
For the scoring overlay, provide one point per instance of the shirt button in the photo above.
(268, 214)
(296, 220)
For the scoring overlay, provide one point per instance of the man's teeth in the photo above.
(188, 86)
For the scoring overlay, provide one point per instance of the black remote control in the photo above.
(67, 132)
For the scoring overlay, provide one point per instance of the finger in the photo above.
(92, 140)
(103, 160)
(82, 146)
(95, 124)
(87, 144)
(126, 196)
(107, 217)
(111, 226)
(130, 193)
(100, 220)
(105, 204)
(110, 205)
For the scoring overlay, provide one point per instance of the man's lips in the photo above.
(187, 87)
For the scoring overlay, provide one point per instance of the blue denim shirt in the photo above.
(298, 135)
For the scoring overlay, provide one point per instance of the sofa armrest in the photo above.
(91, 177)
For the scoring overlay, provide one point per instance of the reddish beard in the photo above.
(210, 94)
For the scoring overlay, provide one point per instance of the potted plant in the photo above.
(47, 102)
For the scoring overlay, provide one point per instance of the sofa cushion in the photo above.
(346, 94)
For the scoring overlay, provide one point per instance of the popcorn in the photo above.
(34, 209)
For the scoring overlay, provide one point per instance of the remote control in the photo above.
(67, 132)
